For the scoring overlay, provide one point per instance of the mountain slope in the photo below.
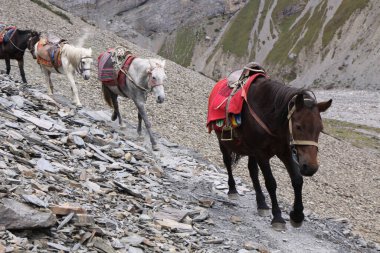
(328, 43)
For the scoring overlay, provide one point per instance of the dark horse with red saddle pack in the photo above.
(257, 117)
(13, 43)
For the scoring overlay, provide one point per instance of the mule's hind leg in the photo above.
(116, 111)
(227, 160)
(262, 206)
(21, 67)
(8, 65)
(49, 84)
(139, 127)
(278, 222)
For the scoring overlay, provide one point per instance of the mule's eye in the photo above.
(298, 127)
(153, 77)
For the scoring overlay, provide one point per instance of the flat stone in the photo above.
(16, 215)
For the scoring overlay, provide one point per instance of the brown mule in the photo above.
(293, 122)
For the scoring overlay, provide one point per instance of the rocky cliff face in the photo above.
(328, 43)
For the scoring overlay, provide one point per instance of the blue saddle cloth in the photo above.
(8, 35)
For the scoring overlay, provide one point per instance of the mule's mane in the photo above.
(280, 95)
(74, 54)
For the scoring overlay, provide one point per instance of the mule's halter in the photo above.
(151, 84)
(80, 68)
(292, 141)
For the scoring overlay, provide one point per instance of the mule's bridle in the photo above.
(151, 84)
(294, 142)
(80, 68)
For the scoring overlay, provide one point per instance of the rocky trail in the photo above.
(72, 181)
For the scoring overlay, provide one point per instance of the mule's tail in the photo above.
(107, 95)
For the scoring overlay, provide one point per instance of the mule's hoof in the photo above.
(295, 224)
(263, 212)
(233, 196)
(79, 105)
(155, 147)
(278, 226)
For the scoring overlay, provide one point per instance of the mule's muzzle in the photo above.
(308, 170)
(160, 99)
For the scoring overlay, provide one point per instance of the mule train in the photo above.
(251, 114)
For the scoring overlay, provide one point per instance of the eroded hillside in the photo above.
(328, 43)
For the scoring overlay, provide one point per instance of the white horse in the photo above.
(144, 76)
(74, 59)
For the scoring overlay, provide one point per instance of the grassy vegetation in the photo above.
(313, 25)
(48, 7)
(236, 38)
(182, 50)
(342, 14)
(287, 39)
(282, 22)
(349, 132)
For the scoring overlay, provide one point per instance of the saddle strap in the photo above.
(254, 115)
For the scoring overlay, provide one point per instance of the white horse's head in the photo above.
(85, 63)
(157, 78)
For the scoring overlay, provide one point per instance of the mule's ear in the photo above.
(323, 106)
(299, 101)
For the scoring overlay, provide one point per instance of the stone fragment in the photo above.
(174, 225)
(44, 165)
(101, 244)
(171, 213)
(34, 200)
(133, 239)
(16, 215)
(235, 219)
(67, 208)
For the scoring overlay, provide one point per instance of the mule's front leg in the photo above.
(141, 108)
(74, 89)
(21, 67)
(296, 215)
(278, 223)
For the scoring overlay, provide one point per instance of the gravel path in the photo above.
(355, 106)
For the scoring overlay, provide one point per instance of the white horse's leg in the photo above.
(74, 88)
(141, 108)
(49, 84)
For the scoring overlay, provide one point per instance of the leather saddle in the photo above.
(49, 51)
(240, 75)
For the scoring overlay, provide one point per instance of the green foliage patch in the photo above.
(342, 14)
(236, 38)
(353, 133)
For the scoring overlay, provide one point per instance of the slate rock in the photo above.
(16, 215)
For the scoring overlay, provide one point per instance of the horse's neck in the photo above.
(23, 38)
(139, 70)
(72, 53)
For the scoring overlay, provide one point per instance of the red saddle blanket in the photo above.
(217, 101)
(106, 72)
